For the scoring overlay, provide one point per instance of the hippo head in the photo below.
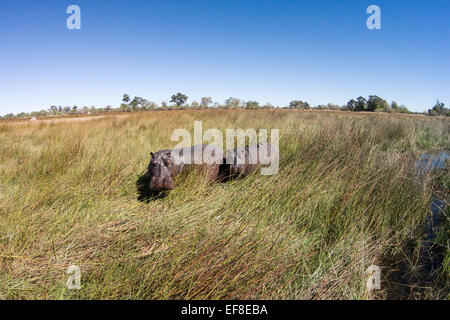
(160, 171)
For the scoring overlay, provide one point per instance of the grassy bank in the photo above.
(346, 194)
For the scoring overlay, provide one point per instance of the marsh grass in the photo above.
(346, 193)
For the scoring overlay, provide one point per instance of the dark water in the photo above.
(427, 163)
(402, 281)
(437, 209)
(431, 161)
(430, 258)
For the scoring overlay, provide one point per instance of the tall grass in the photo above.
(346, 194)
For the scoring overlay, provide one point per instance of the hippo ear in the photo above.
(169, 155)
(151, 153)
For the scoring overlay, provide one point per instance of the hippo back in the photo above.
(199, 154)
(245, 160)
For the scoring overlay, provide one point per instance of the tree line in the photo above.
(180, 101)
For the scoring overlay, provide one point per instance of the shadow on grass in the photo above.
(144, 193)
(225, 174)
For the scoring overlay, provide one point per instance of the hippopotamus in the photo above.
(165, 165)
(246, 160)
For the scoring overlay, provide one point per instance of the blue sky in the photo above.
(268, 51)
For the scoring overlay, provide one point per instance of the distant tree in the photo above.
(164, 104)
(298, 104)
(403, 109)
(351, 105)
(375, 103)
(394, 105)
(439, 109)
(126, 98)
(206, 102)
(179, 99)
(372, 104)
(332, 106)
(124, 107)
(399, 109)
(133, 105)
(39, 113)
(139, 100)
(149, 105)
(195, 104)
(252, 104)
(232, 103)
(144, 104)
(329, 106)
(53, 109)
(136, 103)
(361, 104)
